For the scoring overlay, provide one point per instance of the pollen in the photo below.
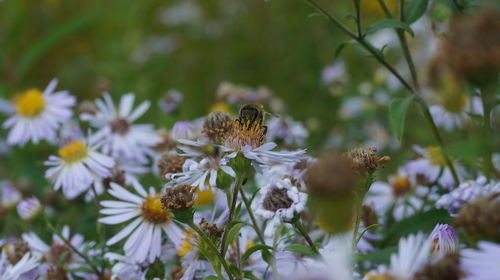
(204, 198)
(73, 152)
(435, 155)
(30, 103)
(153, 211)
(190, 237)
(246, 133)
(401, 185)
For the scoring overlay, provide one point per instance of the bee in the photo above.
(251, 116)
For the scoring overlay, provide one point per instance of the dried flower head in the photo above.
(480, 218)
(217, 126)
(87, 107)
(117, 176)
(211, 229)
(331, 175)
(277, 199)
(177, 273)
(248, 129)
(368, 215)
(178, 198)
(56, 273)
(365, 159)
(447, 268)
(17, 251)
(472, 47)
(170, 163)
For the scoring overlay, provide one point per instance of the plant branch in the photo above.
(300, 228)
(237, 186)
(252, 216)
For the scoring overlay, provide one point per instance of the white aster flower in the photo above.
(29, 208)
(24, 269)
(38, 115)
(10, 196)
(279, 201)
(59, 253)
(120, 137)
(144, 241)
(481, 264)
(77, 167)
(124, 268)
(287, 131)
(457, 117)
(466, 192)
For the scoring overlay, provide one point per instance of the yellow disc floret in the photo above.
(205, 197)
(435, 156)
(30, 103)
(189, 240)
(400, 185)
(153, 211)
(73, 152)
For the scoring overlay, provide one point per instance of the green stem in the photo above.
(237, 186)
(358, 17)
(359, 208)
(488, 100)
(300, 228)
(252, 216)
(376, 54)
(99, 226)
(213, 247)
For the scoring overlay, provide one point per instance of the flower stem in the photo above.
(380, 58)
(237, 186)
(300, 228)
(252, 216)
(212, 246)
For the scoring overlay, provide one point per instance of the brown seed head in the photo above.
(211, 229)
(56, 273)
(447, 268)
(120, 126)
(20, 249)
(276, 199)
(331, 175)
(180, 197)
(170, 163)
(480, 218)
(177, 273)
(217, 126)
(368, 216)
(365, 159)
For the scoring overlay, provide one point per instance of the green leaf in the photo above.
(415, 10)
(420, 222)
(212, 277)
(397, 115)
(234, 229)
(306, 251)
(378, 256)
(54, 37)
(252, 250)
(341, 47)
(389, 23)
(249, 275)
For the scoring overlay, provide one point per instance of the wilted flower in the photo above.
(444, 240)
(480, 219)
(28, 208)
(178, 198)
(365, 159)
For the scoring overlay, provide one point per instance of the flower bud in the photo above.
(217, 126)
(29, 208)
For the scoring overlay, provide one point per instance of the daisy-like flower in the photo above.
(466, 192)
(430, 167)
(184, 130)
(149, 220)
(38, 115)
(24, 268)
(444, 240)
(29, 208)
(124, 269)
(279, 201)
(481, 264)
(286, 130)
(457, 113)
(120, 137)
(58, 253)
(77, 166)
(10, 196)
(413, 254)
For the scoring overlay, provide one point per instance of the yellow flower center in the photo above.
(455, 103)
(204, 198)
(371, 276)
(30, 103)
(73, 152)
(220, 106)
(401, 185)
(190, 237)
(153, 211)
(435, 156)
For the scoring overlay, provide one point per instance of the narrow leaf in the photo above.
(306, 251)
(389, 23)
(415, 10)
(252, 250)
(397, 115)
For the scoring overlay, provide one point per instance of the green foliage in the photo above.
(303, 250)
(398, 109)
(415, 10)
(389, 23)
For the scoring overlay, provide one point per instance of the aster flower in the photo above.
(38, 115)
(29, 208)
(77, 166)
(444, 240)
(413, 254)
(170, 101)
(279, 201)
(466, 192)
(10, 196)
(58, 253)
(287, 131)
(430, 167)
(457, 116)
(124, 268)
(119, 136)
(149, 220)
(184, 130)
(481, 264)
(25, 268)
